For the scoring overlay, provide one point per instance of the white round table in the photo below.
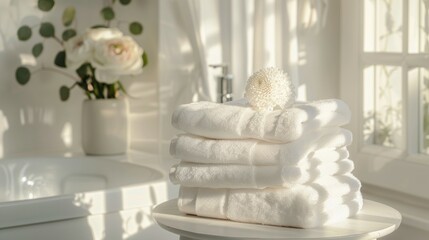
(374, 220)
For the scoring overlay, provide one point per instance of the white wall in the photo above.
(37, 120)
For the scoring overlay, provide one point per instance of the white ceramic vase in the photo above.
(105, 126)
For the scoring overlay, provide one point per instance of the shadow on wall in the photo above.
(38, 120)
(38, 125)
(37, 128)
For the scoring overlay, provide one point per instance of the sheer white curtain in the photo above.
(245, 34)
(252, 34)
(273, 38)
(249, 35)
(182, 62)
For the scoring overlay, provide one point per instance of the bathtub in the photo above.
(80, 197)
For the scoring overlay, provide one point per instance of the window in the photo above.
(395, 81)
(385, 79)
(390, 74)
(395, 96)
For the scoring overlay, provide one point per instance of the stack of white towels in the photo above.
(287, 167)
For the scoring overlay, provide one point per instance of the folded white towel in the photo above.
(249, 176)
(226, 121)
(318, 144)
(302, 206)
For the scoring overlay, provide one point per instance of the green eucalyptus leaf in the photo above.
(37, 49)
(60, 59)
(125, 2)
(64, 93)
(47, 30)
(68, 33)
(24, 33)
(145, 59)
(45, 5)
(68, 16)
(83, 71)
(22, 75)
(107, 13)
(136, 28)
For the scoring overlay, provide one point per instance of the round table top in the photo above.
(373, 221)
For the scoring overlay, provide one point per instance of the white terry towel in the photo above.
(327, 145)
(249, 176)
(301, 207)
(227, 121)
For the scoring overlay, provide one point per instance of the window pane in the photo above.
(369, 104)
(382, 25)
(382, 106)
(418, 26)
(423, 76)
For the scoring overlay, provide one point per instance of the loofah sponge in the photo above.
(270, 88)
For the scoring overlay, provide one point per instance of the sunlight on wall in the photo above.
(135, 222)
(27, 59)
(314, 14)
(210, 28)
(309, 16)
(125, 225)
(3, 127)
(293, 44)
(302, 93)
(67, 134)
(141, 89)
(269, 32)
(248, 51)
(185, 48)
(86, 202)
(150, 196)
(30, 115)
(129, 223)
(22, 116)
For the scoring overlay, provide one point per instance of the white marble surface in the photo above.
(375, 220)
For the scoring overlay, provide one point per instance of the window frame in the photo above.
(396, 169)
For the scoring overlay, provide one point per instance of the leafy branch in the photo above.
(85, 77)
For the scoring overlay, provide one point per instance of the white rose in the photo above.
(78, 51)
(115, 57)
(80, 48)
(97, 34)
